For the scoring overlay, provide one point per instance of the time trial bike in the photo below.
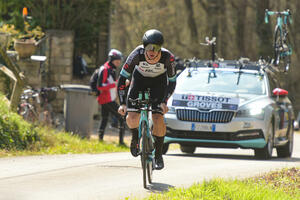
(145, 141)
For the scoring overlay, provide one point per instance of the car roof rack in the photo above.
(242, 63)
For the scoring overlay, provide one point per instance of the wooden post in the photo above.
(13, 71)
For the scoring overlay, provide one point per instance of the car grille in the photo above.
(198, 116)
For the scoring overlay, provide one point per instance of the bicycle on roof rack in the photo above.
(282, 46)
(213, 44)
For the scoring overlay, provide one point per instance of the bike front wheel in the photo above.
(146, 156)
(150, 161)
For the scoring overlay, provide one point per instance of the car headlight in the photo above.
(172, 110)
(256, 112)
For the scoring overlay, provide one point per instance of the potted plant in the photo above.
(24, 42)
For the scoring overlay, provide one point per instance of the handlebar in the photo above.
(46, 89)
(143, 102)
(36, 92)
(209, 42)
(143, 99)
(286, 13)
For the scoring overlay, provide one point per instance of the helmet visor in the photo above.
(153, 47)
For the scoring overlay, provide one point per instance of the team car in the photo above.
(230, 104)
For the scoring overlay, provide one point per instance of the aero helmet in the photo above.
(153, 36)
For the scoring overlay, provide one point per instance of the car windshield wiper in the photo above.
(241, 65)
(239, 77)
(241, 72)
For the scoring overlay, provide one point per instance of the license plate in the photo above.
(201, 127)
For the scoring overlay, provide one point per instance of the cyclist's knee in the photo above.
(159, 127)
(132, 119)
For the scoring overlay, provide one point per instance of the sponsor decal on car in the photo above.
(205, 102)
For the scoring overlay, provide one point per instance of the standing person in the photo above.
(107, 87)
(150, 66)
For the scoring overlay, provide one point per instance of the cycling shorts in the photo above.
(157, 86)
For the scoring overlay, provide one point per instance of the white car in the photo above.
(229, 105)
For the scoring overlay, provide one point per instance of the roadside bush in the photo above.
(15, 133)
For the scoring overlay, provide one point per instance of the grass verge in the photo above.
(279, 185)
(51, 142)
(18, 137)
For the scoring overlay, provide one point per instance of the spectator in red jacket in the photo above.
(107, 87)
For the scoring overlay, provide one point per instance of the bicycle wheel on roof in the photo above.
(286, 53)
(277, 44)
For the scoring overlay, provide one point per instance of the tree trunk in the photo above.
(240, 29)
(264, 33)
(104, 37)
(213, 10)
(222, 39)
(192, 25)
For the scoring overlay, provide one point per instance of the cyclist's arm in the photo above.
(126, 72)
(122, 89)
(171, 72)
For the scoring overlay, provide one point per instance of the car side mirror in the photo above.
(280, 92)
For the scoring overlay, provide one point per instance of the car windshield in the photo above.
(222, 81)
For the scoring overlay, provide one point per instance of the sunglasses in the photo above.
(153, 47)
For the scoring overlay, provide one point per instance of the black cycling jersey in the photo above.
(159, 77)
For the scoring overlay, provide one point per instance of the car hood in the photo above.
(242, 98)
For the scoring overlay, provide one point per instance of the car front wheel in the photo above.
(187, 149)
(266, 152)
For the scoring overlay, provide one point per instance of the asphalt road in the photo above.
(118, 175)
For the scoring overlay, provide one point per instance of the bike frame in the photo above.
(145, 137)
(279, 23)
(146, 115)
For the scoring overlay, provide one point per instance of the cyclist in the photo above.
(149, 66)
(106, 85)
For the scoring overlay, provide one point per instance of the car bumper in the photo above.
(239, 133)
